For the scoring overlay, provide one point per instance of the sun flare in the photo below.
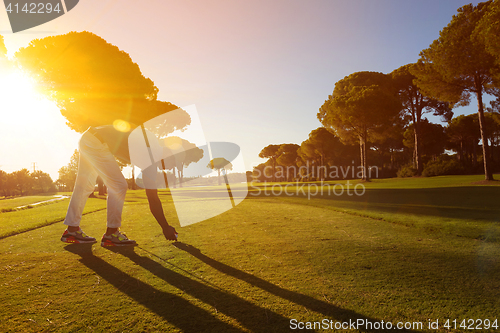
(32, 129)
(20, 103)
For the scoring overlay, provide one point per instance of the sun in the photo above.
(20, 103)
(32, 130)
(17, 93)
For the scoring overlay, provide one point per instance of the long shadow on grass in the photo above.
(174, 309)
(461, 202)
(249, 315)
(308, 302)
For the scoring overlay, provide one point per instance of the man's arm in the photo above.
(157, 210)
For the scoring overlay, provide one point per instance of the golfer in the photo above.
(98, 148)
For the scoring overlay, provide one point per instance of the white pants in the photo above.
(97, 160)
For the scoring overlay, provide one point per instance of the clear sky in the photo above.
(257, 71)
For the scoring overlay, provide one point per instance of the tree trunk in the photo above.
(365, 161)
(474, 153)
(274, 172)
(461, 152)
(322, 177)
(134, 186)
(364, 164)
(361, 155)
(391, 153)
(180, 174)
(418, 159)
(486, 154)
(175, 178)
(100, 186)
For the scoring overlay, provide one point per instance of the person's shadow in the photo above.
(190, 318)
(249, 315)
(329, 310)
(175, 309)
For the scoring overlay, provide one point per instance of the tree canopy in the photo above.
(271, 152)
(183, 153)
(360, 103)
(415, 104)
(3, 49)
(67, 174)
(433, 138)
(488, 29)
(219, 163)
(92, 81)
(4, 61)
(287, 156)
(457, 65)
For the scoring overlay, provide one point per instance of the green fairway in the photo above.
(399, 253)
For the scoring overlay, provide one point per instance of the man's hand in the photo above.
(170, 233)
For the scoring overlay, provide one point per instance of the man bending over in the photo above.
(98, 148)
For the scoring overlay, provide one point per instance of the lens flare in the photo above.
(121, 125)
(173, 142)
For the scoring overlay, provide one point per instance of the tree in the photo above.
(67, 178)
(322, 147)
(4, 61)
(360, 103)
(219, 163)
(488, 32)
(3, 182)
(488, 29)
(168, 122)
(3, 49)
(493, 132)
(41, 181)
(271, 152)
(287, 156)
(415, 104)
(387, 143)
(92, 82)
(23, 181)
(11, 184)
(183, 153)
(433, 138)
(457, 65)
(260, 172)
(67, 174)
(463, 135)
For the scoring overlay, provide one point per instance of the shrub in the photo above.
(443, 166)
(406, 170)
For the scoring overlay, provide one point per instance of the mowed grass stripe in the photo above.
(465, 211)
(16, 222)
(10, 204)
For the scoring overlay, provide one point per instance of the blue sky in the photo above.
(257, 71)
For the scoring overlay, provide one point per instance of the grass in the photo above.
(11, 204)
(399, 253)
(15, 221)
(448, 204)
